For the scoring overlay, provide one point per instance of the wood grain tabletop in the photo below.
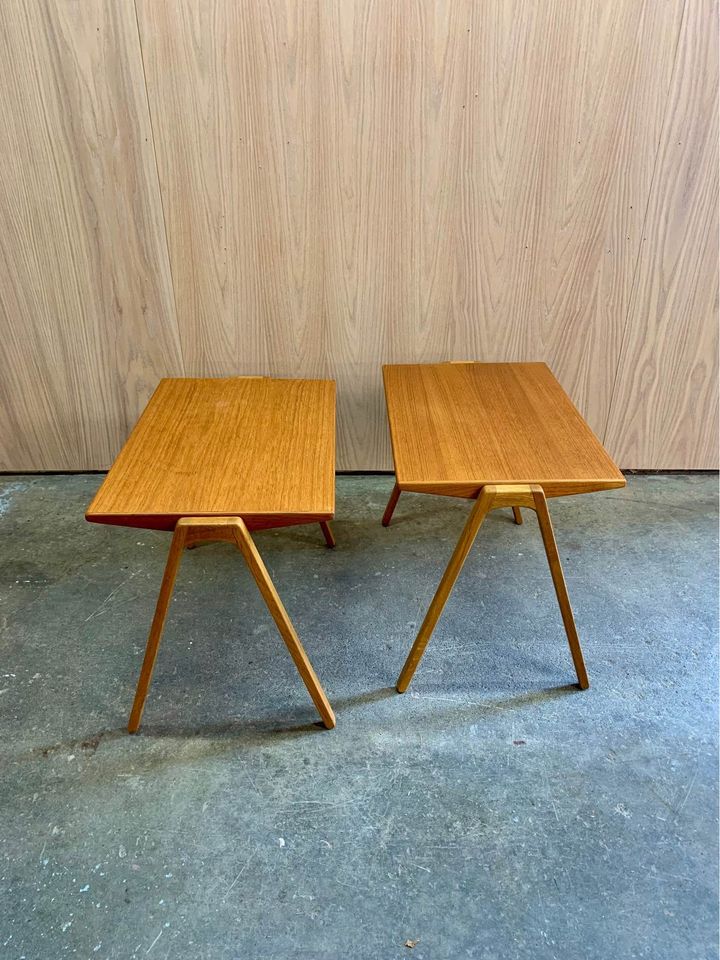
(255, 447)
(457, 426)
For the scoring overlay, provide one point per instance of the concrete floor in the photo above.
(494, 811)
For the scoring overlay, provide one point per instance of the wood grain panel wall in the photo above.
(316, 187)
(665, 403)
(487, 187)
(235, 100)
(87, 318)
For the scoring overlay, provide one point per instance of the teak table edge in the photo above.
(469, 490)
(253, 521)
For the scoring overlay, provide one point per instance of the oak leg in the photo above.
(161, 608)
(327, 533)
(560, 587)
(478, 513)
(517, 515)
(392, 503)
(274, 604)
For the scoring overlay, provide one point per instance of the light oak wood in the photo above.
(437, 180)
(456, 427)
(492, 497)
(235, 99)
(87, 314)
(487, 187)
(338, 185)
(255, 447)
(665, 404)
(572, 96)
(517, 515)
(190, 531)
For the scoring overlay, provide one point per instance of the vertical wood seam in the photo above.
(636, 270)
(159, 189)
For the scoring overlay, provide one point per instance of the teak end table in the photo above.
(214, 459)
(503, 435)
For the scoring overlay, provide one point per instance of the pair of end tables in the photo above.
(215, 459)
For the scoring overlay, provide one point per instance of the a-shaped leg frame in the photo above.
(324, 526)
(192, 530)
(395, 496)
(490, 498)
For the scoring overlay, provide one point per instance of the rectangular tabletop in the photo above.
(254, 447)
(458, 426)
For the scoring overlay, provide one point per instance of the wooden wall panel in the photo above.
(87, 320)
(390, 111)
(235, 101)
(564, 110)
(353, 182)
(317, 187)
(665, 406)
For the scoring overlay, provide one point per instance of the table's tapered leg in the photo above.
(190, 532)
(161, 608)
(274, 604)
(517, 514)
(392, 503)
(478, 513)
(327, 533)
(558, 578)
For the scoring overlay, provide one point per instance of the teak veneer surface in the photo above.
(254, 447)
(458, 426)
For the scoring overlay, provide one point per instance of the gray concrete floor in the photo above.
(494, 811)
